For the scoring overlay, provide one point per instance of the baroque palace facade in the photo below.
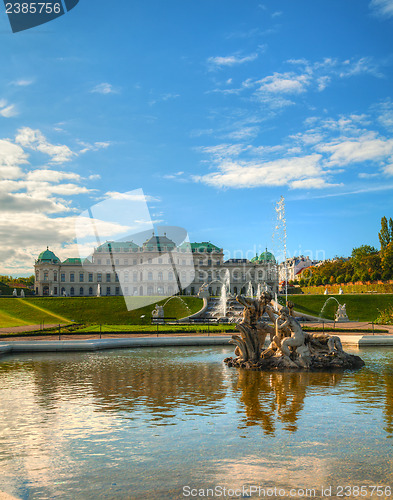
(157, 267)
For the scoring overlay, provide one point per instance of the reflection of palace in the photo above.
(156, 267)
(126, 382)
(278, 397)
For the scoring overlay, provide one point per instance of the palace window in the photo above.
(108, 290)
(81, 277)
(91, 290)
(99, 277)
(90, 277)
(108, 277)
(62, 277)
(72, 291)
(72, 277)
(81, 290)
(150, 276)
(54, 275)
(46, 275)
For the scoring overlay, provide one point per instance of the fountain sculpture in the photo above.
(290, 347)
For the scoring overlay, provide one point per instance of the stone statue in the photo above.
(341, 314)
(22, 293)
(253, 329)
(14, 293)
(158, 313)
(203, 292)
(290, 347)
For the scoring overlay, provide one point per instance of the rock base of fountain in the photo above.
(321, 362)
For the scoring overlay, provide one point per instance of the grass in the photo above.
(361, 307)
(90, 310)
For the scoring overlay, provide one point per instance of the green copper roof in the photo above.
(116, 246)
(48, 256)
(267, 257)
(205, 246)
(73, 262)
(159, 242)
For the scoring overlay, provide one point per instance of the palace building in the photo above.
(156, 267)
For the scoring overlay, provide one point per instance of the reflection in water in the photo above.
(144, 423)
(268, 397)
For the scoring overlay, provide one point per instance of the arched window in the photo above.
(149, 277)
(170, 276)
(91, 290)
(81, 290)
(150, 290)
(160, 276)
(72, 291)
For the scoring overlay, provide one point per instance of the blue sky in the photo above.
(214, 108)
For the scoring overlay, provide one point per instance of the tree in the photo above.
(386, 232)
(387, 262)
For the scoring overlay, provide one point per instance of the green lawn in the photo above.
(89, 310)
(362, 307)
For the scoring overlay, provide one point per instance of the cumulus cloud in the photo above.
(286, 83)
(366, 148)
(35, 140)
(280, 172)
(35, 202)
(51, 175)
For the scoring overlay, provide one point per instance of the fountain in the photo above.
(250, 291)
(280, 238)
(259, 290)
(176, 297)
(225, 290)
(290, 347)
(341, 313)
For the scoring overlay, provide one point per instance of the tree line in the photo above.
(366, 263)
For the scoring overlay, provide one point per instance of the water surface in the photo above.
(144, 423)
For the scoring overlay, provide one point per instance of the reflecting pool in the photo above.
(146, 423)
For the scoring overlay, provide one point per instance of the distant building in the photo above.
(293, 267)
(157, 267)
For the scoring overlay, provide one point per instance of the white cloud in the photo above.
(286, 83)
(35, 140)
(23, 82)
(280, 172)
(8, 111)
(366, 148)
(232, 60)
(382, 7)
(104, 88)
(96, 146)
(130, 197)
(51, 175)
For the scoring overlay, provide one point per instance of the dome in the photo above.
(267, 257)
(48, 257)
